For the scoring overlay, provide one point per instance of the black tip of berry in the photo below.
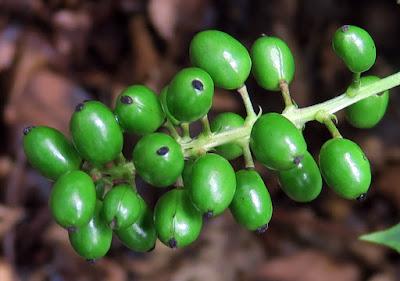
(362, 197)
(198, 85)
(27, 130)
(163, 150)
(151, 249)
(91, 261)
(126, 100)
(345, 28)
(297, 160)
(208, 215)
(262, 229)
(79, 107)
(71, 229)
(172, 243)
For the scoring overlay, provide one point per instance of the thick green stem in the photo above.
(172, 130)
(248, 158)
(186, 131)
(287, 99)
(327, 119)
(246, 101)
(206, 125)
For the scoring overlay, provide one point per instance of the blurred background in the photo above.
(56, 53)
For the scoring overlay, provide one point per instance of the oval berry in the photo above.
(368, 112)
(273, 62)
(93, 240)
(251, 206)
(355, 47)
(177, 221)
(73, 199)
(163, 101)
(276, 142)
(190, 94)
(222, 56)
(49, 151)
(96, 133)
(158, 159)
(303, 183)
(121, 206)
(345, 168)
(225, 122)
(212, 184)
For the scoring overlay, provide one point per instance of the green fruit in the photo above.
(73, 199)
(190, 94)
(121, 206)
(251, 206)
(302, 183)
(272, 62)
(368, 112)
(222, 56)
(187, 171)
(139, 110)
(158, 159)
(140, 236)
(177, 221)
(345, 168)
(225, 122)
(96, 133)
(163, 101)
(93, 240)
(212, 184)
(276, 142)
(50, 152)
(355, 47)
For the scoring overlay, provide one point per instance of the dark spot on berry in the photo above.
(262, 229)
(362, 197)
(152, 248)
(198, 85)
(163, 150)
(208, 215)
(126, 100)
(27, 130)
(172, 243)
(79, 107)
(380, 94)
(91, 261)
(71, 229)
(113, 223)
(345, 28)
(297, 160)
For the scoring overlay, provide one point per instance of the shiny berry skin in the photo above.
(355, 47)
(158, 159)
(177, 221)
(368, 112)
(73, 199)
(96, 133)
(190, 94)
(222, 56)
(139, 110)
(251, 206)
(121, 206)
(212, 184)
(225, 122)
(276, 142)
(345, 168)
(50, 152)
(140, 236)
(272, 62)
(303, 183)
(93, 240)
(163, 101)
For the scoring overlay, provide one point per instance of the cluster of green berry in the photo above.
(94, 193)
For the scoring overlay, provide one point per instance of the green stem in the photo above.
(172, 130)
(122, 171)
(246, 101)
(186, 131)
(327, 119)
(206, 125)
(248, 158)
(356, 80)
(287, 99)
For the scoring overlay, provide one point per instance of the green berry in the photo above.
(345, 168)
(187, 171)
(212, 184)
(121, 206)
(163, 101)
(93, 240)
(251, 206)
(139, 110)
(303, 183)
(355, 47)
(368, 112)
(50, 152)
(225, 122)
(272, 62)
(222, 56)
(140, 236)
(96, 133)
(73, 199)
(276, 142)
(177, 221)
(158, 159)
(190, 94)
